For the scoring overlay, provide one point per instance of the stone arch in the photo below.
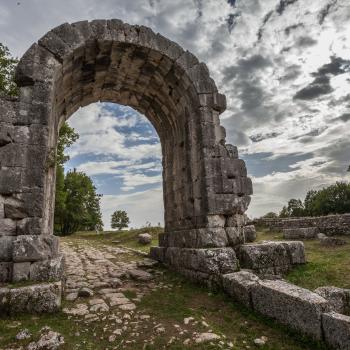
(205, 185)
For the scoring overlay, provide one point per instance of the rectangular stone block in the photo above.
(300, 232)
(336, 329)
(215, 261)
(291, 305)
(6, 248)
(35, 248)
(21, 271)
(6, 271)
(239, 285)
(7, 227)
(158, 253)
(47, 270)
(38, 298)
(271, 257)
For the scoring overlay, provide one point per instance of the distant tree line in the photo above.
(334, 199)
(77, 205)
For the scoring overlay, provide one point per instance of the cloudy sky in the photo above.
(284, 66)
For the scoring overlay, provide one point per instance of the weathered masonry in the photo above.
(206, 188)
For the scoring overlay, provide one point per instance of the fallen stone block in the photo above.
(339, 298)
(331, 241)
(271, 257)
(336, 330)
(144, 238)
(300, 233)
(239, 285)
(38, 298)
(291, 305)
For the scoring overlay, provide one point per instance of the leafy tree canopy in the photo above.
(334, 199)
(119, 219)
(7, 72)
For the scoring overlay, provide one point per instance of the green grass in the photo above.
(127, 238)
(237, 323)
(326, 266)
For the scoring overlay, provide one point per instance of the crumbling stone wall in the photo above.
(205, 184)
(329, 225)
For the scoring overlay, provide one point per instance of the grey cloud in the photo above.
(260, 137)
(325, 11)
(291, 73)
(262, 163)
(283, 4)
(261, 29)
(251, 94)
(232, 2)
(245, 66)
(337, 66)
(344, 118)
(321, 84)
(232, 20)
(305, 41)
(289, 29)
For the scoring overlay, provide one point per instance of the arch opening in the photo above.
(119, 149)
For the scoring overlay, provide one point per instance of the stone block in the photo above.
(239, 285)
(332, 241)
(249, 233)
(4, 301)
(29, 226)
(235, 236)
(6, 271)
(47, 270)
(39, 298)
(37, 64)
(300, 233)
(35, 248)
(214, 261)
(271, 257)
(296, 251)
(7, 227)
(291, 305)
(339, 298)
(211, 238)
(336, 330)
(158, 253)
(21, 271)
(6, 248)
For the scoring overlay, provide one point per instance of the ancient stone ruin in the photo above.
(206, 188)
(205, 184)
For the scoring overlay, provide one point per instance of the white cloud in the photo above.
(141, 207)
(259, 102)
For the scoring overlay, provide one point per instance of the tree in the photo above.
(67, 136)
(7, 72)
(270, 215)
(82, 210)
(119, 219)
(77, 205)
